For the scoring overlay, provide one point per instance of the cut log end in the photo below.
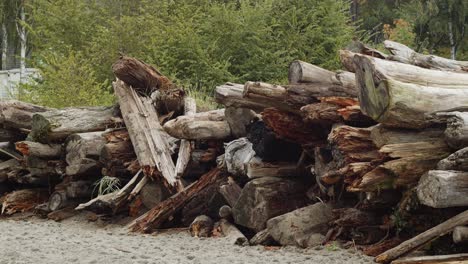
(295, 72)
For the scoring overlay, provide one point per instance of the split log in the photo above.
(442, 189)
(440, 259)
(232, 234)
(456, 133)
(400, 104)
(147, 135)
(23, 200)
(291, 127)
(29, 148)
(163, 211)
(57, 125)
(83, 152)
(231, 192)
(423, 238)
(460, 234)
(141, 76)
(457, 161)
(405, 54)
(185, 149)
(206, 125)
(276, 96)
(18, 114)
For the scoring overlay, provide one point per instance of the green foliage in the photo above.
(197, 43)
(67, 81)
(106, 185)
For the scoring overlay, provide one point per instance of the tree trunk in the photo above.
(83, 152)
(231, 95)
(185, 149)
(4, 46)
(206, 125)
(57, 125)
(423, 238)
(404, 54)
(147, 135)
(48, 151)
(442, 189)
(17, 114)
(140, 76)
(22, 36)
(393, 103)
(158, 215)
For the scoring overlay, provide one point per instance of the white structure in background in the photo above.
(10, 79)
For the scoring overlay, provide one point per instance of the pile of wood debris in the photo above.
(376, 155)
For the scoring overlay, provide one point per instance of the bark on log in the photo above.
(423, 238)
(57, 125)
(456, 161)
(163, 211)
(30, 148)
(18, 114)
(200, 126)
(291, 127)
(460, 234)
(456, 133)
(141, 76)
(23, 200)
(185, 149)
(148, 137)
(400, 104)
(442, 189)
(83, 152)
(404, 54)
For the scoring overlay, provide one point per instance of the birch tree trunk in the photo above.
(22, 34)
(4, 46)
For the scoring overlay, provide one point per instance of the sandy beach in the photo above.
(74, 240)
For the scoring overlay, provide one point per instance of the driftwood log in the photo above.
(442, 189)
(83, 152)
(30, 148)
(16, 114)
(185, 149)
(149, 139)
(460, 234)
(117, 155)
(456, 133)
(457, 161)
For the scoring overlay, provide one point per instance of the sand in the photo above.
(76, 241)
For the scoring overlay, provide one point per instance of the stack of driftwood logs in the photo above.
(376, 155)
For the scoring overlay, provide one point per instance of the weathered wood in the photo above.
(276, 96)
(147, 135)
(225, 212)
(382, 135)
(239, 119)
(456, 161)
(57, 125)
(11, 134)
(393, 103)
(185, 149)
(442, 189)
(262, 238)
(300, 71)
(58, 200)
(291, 127)
(256, 168)
(163, 211)
(83, 152)
(202, 226)
(440, 259)
(18, 114)
(23, 200)
(423, 238)
(206, 125)
(169, 101)
(153, 193)
(238, 153)
(141, 76)
(30, 148)
(232, 234)
(117, 154)
(231, 95)
(460, 234)
(6, 167)
(405, 54)
(456, 133)
(231, 192)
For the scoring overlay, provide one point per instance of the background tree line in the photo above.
(203, 43)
